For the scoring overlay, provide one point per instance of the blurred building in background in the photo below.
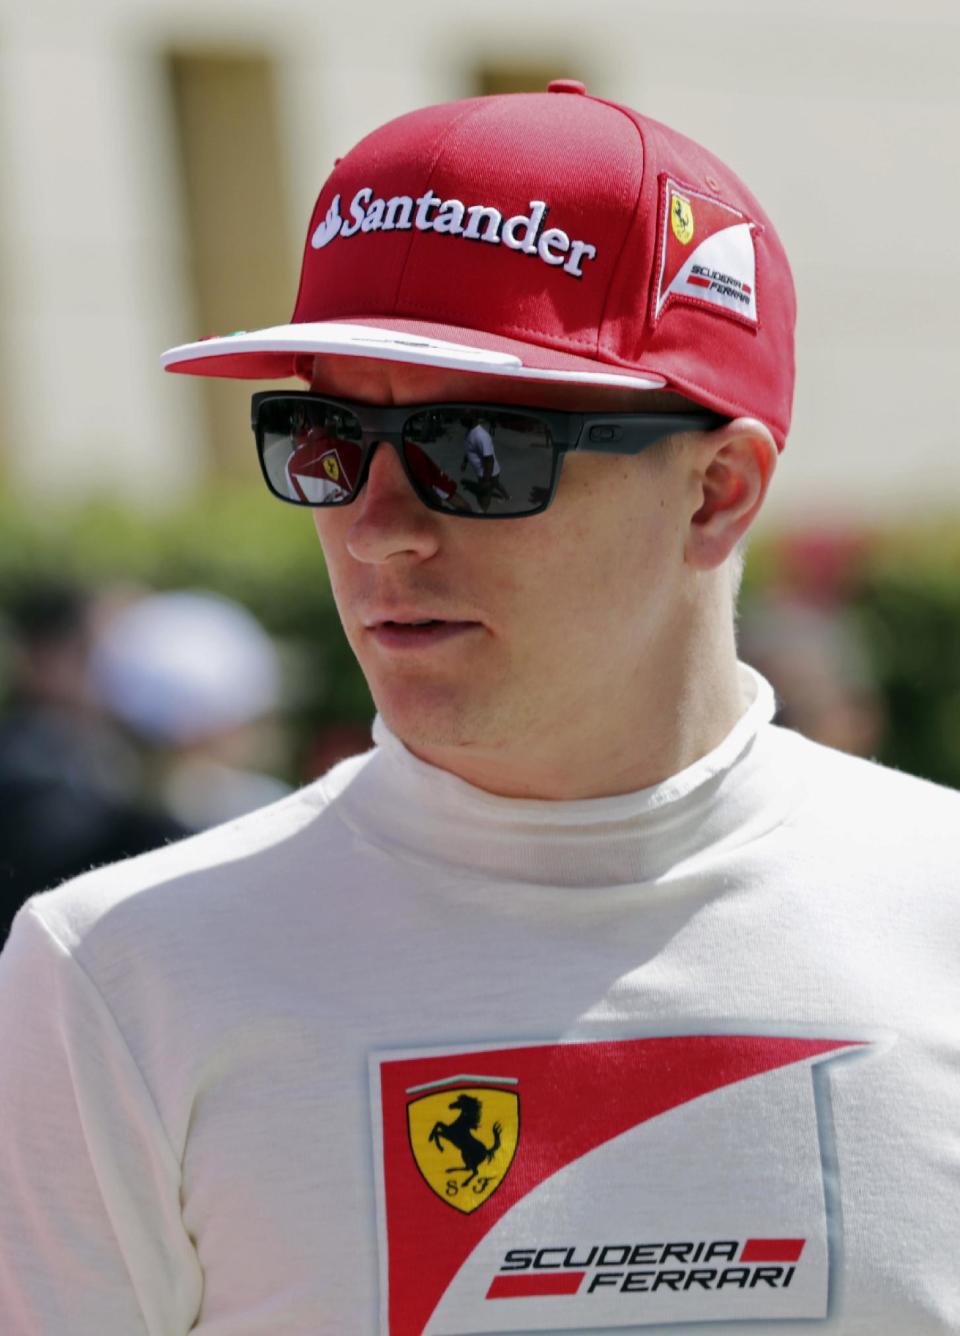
(160, 162)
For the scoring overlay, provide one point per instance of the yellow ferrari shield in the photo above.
(331, 467)
(464, 1138)
(681, 219)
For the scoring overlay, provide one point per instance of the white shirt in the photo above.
(715, 1022)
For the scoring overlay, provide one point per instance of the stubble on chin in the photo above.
(437, 716)
(430, 715)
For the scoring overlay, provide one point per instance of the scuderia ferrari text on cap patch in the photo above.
(598, 1184)
(705, 254)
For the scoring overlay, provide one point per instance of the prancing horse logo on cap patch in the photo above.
(464, 1137)
(681, 219)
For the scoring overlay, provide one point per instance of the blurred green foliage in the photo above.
(904, 584)
(910, 608)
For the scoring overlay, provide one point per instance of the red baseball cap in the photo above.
(545, 237)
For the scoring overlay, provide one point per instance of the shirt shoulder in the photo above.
(196, 886)
(864, 797)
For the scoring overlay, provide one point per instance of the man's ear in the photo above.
(733, 469)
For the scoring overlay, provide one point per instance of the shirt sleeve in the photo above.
(91, 1238)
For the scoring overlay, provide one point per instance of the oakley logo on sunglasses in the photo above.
(451, 217)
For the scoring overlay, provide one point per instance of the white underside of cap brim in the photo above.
(395, 346)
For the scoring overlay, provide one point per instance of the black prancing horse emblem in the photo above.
(462, 1134)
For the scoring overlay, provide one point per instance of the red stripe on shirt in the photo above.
(772, 1250)
(522, 1287)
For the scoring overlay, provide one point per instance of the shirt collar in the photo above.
(418, 811)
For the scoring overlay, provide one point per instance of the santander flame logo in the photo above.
(329, 228)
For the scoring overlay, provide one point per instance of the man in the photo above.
(481, 457)
(589, 1000)
(66, 774)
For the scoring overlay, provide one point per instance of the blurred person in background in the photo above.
(819, 666)
(196, 679)
(589, 999)
(802, 633)
(71, 794)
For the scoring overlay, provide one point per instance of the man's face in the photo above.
(541, 622)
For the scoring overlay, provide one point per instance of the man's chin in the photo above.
(427, 718)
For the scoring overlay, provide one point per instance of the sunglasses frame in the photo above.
(593, 433)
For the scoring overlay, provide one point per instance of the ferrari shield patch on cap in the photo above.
(706, 254)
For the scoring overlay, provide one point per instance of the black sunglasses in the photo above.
(481, 461)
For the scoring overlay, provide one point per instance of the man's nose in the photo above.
(389, 519)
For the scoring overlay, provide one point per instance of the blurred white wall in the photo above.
(842, 115)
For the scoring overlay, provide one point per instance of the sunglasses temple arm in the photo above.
(627, 436)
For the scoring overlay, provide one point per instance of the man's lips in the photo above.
(411, 631)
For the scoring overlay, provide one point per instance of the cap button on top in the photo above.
(567, 86)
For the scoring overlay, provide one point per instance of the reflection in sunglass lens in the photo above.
(479, 462)
(312, 452)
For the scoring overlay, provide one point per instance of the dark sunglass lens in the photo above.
(312, 452)
(480, 462)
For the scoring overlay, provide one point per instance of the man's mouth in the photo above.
(418, 633)
(426, 621)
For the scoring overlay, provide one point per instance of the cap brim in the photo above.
(273, 354)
